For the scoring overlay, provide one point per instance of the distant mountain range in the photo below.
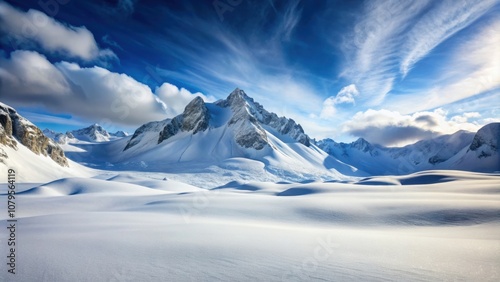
(93, 133)
(462, 151)
(238, 132)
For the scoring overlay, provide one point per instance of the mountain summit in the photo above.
(235, 128)
(248, 120)
(252, 116)
(93, 133)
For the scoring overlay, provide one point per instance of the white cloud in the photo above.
(95, 94)
(345, 96)
(391, 128)
(30, 75)
(34, 28)
(465, 117)
(490, 120)
(176, 99)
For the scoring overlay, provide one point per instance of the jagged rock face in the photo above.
(171, 129)
(13, 126)
(249, 133)
(245, 108)
(6, 128)
(195, 118)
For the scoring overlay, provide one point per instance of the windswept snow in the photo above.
(439, 226)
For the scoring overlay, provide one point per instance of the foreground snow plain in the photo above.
(136, 226)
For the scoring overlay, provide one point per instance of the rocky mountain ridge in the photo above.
(247, 120)
(15, 130)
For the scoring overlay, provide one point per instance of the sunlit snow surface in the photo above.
(138, 226)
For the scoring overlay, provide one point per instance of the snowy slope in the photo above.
(483, 153)
(236, 136)
(237, 127)
(31, 167)
(34, 157)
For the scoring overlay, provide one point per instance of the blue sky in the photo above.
(392, 72)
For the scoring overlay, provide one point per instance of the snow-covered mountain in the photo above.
(25, 148)
(93, 133)
(16, 131)
(119, 134)
(234, 128)
(247, 119)
(483, 152)
(442, 152)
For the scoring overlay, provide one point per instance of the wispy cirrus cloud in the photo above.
(473, 69)
(35, 29)
(440, 23)
(392, 36)
(254, 62)
(372, 48)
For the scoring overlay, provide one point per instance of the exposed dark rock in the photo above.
(14, 127)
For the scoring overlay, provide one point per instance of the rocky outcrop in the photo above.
(249, 133)
(171, 129)
(14, 128)
(247, 110)
(195, 118)
(154, 127)
(6, 127)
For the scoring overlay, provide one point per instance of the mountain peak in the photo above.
(238, 92)
(237, 99)
(194, 118)
(248, 121)
(93, 133)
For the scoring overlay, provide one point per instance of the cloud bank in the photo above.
(390, 128)
(35, 29)
(27, 78)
